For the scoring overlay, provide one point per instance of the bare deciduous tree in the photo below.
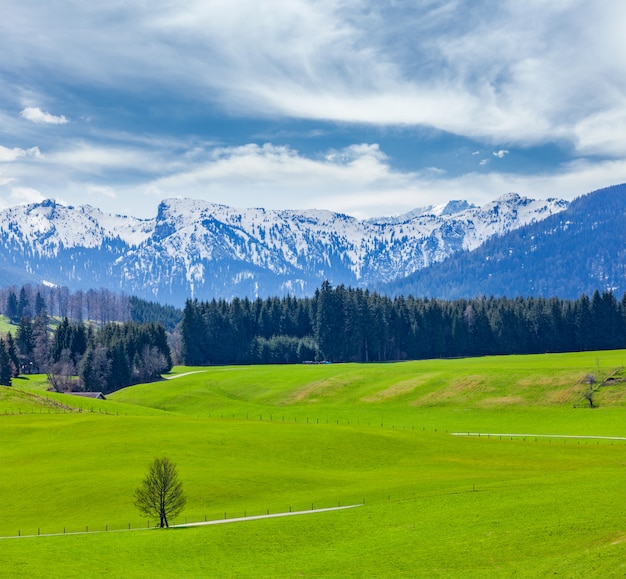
(62, 374)
(161, 493)
(591, 380)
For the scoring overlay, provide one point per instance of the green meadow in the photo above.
(272, 439)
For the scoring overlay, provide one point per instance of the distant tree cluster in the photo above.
(344, 324)
(336, 324)
(145, 312)
(106, 360)
(244, 332)
(96, 306)
(78, 356)
(104, 342)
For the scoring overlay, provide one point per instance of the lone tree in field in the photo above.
(161, 493)
(591, 380)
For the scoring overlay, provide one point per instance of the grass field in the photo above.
(249, 440)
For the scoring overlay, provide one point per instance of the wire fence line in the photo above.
(19, 411)
(536, 436)
(178, 523)
(331, 421)
(232, 516)
(215, 518)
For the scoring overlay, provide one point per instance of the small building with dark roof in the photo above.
(94, 395)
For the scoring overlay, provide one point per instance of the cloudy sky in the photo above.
(358, 106)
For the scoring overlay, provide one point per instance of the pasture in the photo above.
(258, 439)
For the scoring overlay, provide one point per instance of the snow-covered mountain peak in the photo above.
(48, 226)
(451, 208)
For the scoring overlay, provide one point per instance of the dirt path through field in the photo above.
(197, 524)
(185, 374)
(268, 516)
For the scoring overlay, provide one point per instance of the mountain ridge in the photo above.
(579, 250)
(194, 248)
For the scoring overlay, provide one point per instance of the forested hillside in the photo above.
(343, 324)
(576, 251)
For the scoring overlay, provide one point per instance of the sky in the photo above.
(362, 107)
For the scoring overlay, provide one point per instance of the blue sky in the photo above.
(364, 107)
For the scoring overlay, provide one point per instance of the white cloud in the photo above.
(500, 154)
(484, 162)
(526, 73)
(7, 155)
(36, 115)
(23, 195)
(358, 180)
(97, 159)
(279, 175)
(20, 196)
(5, 180)
(97, 192)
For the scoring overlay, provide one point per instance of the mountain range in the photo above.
(198, 249)
(511, 246)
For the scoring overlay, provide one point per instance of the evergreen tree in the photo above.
(40, 304)
(5, 365)
(329, 323)
(582, 316)
(95, 369)
(121, 374)
(71, 337)
(12, 309)
(23, 305)
(25, 343)
(14, 359)
(193, 332)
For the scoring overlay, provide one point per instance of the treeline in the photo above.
(78, 357)
(144, 312)
(104, 342)
(97, 306)
(344, 324)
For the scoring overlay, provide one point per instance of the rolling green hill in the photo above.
(248, 440)
(453, 394)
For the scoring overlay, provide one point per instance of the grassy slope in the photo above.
(544, 507)
(6, 326)
(525, 393)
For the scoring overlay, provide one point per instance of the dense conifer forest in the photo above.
(337, 324)
(344, 324)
